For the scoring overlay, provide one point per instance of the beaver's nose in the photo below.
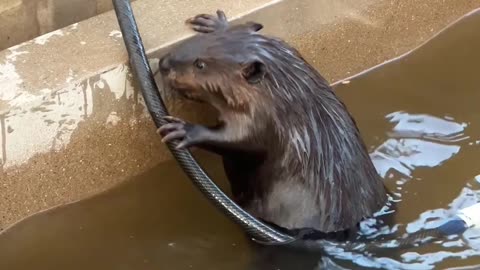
(164, 64)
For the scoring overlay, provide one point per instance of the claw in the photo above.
(203, 29)
(203, 22)
(174, 135)
(221, 15)
(201, 17)
(182, 145)
(168, 127)
(205, 16)
(173, 119)
(177, 129)
(206, 23)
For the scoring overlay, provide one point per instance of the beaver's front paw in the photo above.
(205, 23)
(178, 129)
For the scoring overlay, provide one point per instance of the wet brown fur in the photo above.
(291, 150)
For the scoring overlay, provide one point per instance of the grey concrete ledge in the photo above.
(72, 122)
(22, 20)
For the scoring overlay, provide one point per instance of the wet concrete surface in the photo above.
(419, 117)
(342, 38)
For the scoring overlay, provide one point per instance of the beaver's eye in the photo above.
(199, 64)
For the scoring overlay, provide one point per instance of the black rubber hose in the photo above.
(139, 63)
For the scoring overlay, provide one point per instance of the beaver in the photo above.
(291, 151)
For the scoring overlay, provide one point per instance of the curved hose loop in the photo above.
(139, 63)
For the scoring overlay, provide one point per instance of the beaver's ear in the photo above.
(253, 26)
(254, 71)
(248, 26)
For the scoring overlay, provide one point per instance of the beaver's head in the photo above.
(218, 68)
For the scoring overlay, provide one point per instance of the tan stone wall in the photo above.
(22, 20)
(17, 22)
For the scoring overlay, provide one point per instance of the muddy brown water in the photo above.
(418, 114)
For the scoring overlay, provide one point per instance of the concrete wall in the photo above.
(22, 20)
(72, 122)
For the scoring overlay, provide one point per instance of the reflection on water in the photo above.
(423, 131)
(466, 247)
(419, 116)
(417, 141)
